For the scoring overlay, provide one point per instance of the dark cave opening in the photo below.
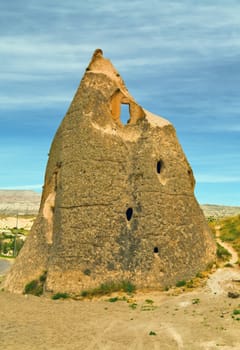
(129, 213)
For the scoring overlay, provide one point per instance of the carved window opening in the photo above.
(129, 213)
(155, 250)
(125, 113)
(159, 166)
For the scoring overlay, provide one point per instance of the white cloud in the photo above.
(16, 102)
(204, 178)
(213, 128)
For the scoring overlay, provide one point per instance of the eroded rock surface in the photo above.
(118, 200)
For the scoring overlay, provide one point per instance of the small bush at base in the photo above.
(109, 287)
(43, 277)
(190, 284)
(84, 293)
(127, 287)
(133, 306)
(195, 301)
(113, 300)
(60, 296)
(152, 333)
(236, 312)
(30, 286)
(228, 265)
(181, 283)
(34, 288)
(200, 275)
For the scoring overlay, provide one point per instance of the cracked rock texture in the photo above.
(118, 200)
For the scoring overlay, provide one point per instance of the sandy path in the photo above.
(234, 258)
(221, 281)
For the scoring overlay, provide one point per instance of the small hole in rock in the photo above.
(155, 250)
(129, 213)
(159, 166)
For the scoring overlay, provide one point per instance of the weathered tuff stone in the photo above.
(118, 200)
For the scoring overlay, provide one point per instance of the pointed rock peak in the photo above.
(100, 64)
(98, 53)
(119, 95)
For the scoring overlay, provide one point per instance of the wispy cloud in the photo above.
(206, 178)
(33, 101)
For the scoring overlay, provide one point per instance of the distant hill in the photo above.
(22, 202)
(26, 202)
(218, 211)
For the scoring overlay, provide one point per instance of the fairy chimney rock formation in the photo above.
(118, 200)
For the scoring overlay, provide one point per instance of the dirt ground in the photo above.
(199, 319)
(196, 319)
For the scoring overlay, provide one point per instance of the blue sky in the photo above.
(179, 59)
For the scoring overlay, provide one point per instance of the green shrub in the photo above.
(148, 305)
(39, 290)
(60, 296)
(43, 277)
(133, 306)
(87, 272)
(236, 312)
(127, 287)
(109, 287)
(195, 301)
(228, 265)
(200, 275)
(190, 284)
(34, 288)
(152, 333)
(31, 286)
(223, 253)
(84, 293)
(181, 283)
(230, 232)
(113, 300)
